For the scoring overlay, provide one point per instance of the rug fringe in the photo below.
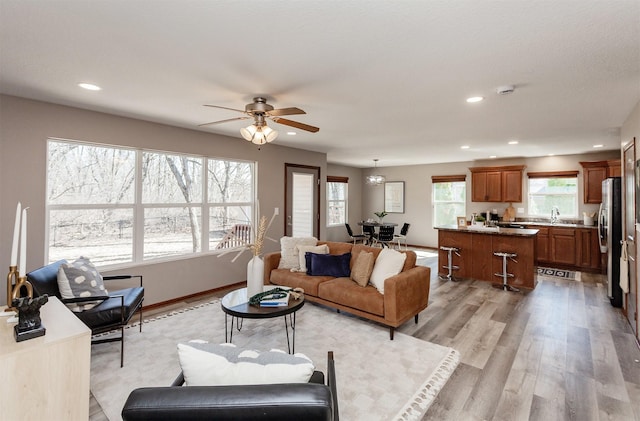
(424, 397)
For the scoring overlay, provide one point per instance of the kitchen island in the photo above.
(476, 246)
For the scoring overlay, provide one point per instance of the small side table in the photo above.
(236, 304)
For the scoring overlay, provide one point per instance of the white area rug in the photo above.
(377, 379)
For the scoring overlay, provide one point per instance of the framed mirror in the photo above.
(394, 197)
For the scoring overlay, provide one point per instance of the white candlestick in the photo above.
(16, 232)
(22, 268)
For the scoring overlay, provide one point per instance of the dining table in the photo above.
(374, 224)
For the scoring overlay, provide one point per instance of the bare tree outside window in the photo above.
(93, 211)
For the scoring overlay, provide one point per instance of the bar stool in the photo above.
(505, 275)
(450, 266)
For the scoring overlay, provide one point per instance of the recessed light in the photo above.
(598, 146)
(291, 133)
(513, 142)
(551, 154)
(475, 99)
(464, 147)
(492, 157)
(90, 86)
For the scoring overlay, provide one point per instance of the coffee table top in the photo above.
(236, 303)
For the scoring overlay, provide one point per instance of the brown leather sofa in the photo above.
(405, 294)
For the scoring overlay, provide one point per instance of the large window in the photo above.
(553, 189)
(121, 205)
(337, 188)
(449, 199)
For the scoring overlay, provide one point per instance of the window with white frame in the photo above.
(337, 190)
(449, 199)
(121, 205)
(553, 189)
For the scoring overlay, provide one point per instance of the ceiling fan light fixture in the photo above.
(259, 134)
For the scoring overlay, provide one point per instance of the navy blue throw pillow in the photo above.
(328, 265)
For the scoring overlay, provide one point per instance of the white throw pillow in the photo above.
(205, 364)
(389, 263)
(289, 253)
(323, 249)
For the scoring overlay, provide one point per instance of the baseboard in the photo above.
(190, 296)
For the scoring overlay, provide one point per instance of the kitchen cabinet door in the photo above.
(587, 248)
(542, 244)
(563, 245)
(593, 174)
(512, 186)
(486, 186)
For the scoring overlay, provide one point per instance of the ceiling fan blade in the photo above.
(225, 108)
(296, 124)
(223, 121)
(286, 111)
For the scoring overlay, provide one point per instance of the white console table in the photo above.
(46, 378)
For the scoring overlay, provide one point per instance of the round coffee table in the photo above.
(236, 304)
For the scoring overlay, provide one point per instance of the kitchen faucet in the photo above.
(555, 212)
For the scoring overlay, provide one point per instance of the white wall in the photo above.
(418, 191)
(25, 126)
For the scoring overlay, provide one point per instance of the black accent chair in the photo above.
(385, 235)
(355, 237)
(313, 401)
(113, 313)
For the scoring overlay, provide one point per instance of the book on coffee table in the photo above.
(275, 302)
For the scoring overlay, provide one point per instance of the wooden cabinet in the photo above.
(524, 266)
(460, 241)
(588, 249)
(593, 174)
(496, 184)
(563, 245)
(567, 247)
(542, 244)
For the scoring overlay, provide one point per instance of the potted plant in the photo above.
(479, 220)
(380, 215)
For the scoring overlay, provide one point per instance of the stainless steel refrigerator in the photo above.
(610, 233)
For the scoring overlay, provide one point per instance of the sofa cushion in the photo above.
(347, 293)
(389, 263)
(362, 268)
(329, 265)
(302, 251)
(289, 253)
(337, 247)
(205, 364)
(287, 278)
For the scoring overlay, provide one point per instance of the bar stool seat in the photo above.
(505, 275)
(450, 266)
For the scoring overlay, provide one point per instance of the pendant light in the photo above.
(375, 179)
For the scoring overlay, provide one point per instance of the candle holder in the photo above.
(12, 279)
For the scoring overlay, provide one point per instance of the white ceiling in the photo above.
(382, 79)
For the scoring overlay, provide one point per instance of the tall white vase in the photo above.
(255, 276)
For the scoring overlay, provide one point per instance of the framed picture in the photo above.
(462, 221)
(394, 197)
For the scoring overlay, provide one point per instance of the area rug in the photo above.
(377, 379)
(559, 273)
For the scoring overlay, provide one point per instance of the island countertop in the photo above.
(479, 229)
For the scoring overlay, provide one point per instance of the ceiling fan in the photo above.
(259, 133)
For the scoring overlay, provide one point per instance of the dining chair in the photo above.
(355, 237)
(385, 235)
(370, 232)
(402, 236)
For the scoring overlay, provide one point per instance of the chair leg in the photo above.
(121, 346)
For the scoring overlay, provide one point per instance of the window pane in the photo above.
(230, 181)
(171, 178)
(336, 191)
(545, 193)
(226, 224)
(103, 235)
(84, 174)
(171, 231)
(449, 202)
(336, 213)
(336, 203)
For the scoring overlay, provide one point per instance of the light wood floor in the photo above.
(559, 352)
